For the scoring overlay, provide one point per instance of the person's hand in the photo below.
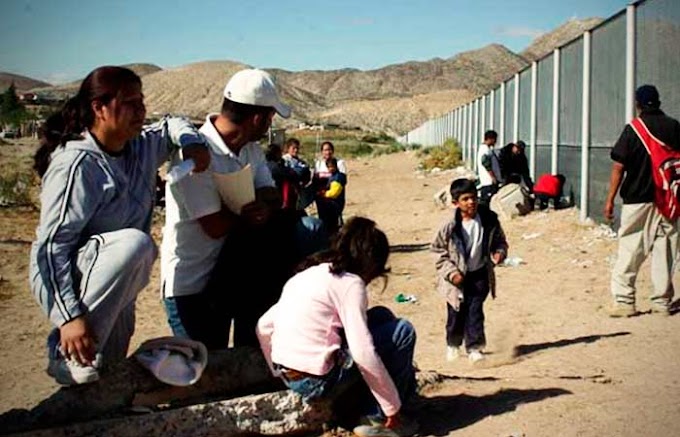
(456, 278)
(199, 153)
(609, 209)
(255, 213)
(77, 341)
(498, 257)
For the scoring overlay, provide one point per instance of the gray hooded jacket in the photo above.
(86, 192)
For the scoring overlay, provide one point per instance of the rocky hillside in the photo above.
(22, 83)
(547, 42)
(394, 99)
(71, 88)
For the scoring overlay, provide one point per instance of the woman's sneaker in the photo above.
(70, 372)
(374, 431)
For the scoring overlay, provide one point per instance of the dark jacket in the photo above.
(638, 184)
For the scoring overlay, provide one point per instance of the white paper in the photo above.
(236, 188)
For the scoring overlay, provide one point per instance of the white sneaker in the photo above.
(69, 372)
(452, 353)
(475, 355)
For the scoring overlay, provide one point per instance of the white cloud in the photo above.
(518, 31)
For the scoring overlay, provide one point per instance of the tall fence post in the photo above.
(585, 128)
(532, 128)
(555, 111)
(515, 112)
(463, 126)
(630, 61)
(501, 125)
(475, 141)
(469, 137)
(450, 118)
(492, 109)
(482, 125)
(457, 128)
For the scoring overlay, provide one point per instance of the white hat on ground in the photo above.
(255, 87)
(173, 360)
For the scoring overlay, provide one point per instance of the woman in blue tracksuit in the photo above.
(93, 253)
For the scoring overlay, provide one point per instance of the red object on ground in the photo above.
(549, 185)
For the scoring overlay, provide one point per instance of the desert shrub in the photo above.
(380, 137)
(389, 149)
(446, 156)
(354, 150)
(15, 188)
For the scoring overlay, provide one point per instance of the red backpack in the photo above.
(665, 170)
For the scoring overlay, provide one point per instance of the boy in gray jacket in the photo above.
(467, 247)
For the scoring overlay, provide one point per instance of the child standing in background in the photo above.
(331, 201)
(467, 247)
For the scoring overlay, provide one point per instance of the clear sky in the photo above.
(62, 40)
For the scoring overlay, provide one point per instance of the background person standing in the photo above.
(488, 168)
(643, 229)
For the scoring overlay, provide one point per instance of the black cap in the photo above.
(647, 95)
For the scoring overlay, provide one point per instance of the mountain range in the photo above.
(393, 99)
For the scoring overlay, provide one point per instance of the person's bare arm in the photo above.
(615, 179)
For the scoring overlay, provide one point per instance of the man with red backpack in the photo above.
(646, 161)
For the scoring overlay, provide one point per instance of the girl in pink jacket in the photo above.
(320, 337)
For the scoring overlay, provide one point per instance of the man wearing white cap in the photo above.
(206, 247)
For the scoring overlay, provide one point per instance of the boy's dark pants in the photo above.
(468, 322)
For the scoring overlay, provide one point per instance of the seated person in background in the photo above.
(549, 187)
(515, 166)
(294, 161)
(330, 202)
(285, 178)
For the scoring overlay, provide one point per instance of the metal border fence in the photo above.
(571, 105)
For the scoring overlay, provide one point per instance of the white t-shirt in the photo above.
(482, 173)
(188, 254)
(321, 169)
(472, 238)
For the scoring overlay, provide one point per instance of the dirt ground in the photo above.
(556, 364)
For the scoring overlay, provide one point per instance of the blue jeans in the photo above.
(310, 236)
(394, 340)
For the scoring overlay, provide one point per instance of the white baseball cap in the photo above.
(255, 87)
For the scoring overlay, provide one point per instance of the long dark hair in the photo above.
(103, 85)
(359, 247)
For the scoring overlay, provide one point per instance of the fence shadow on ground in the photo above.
(407, 248)
(523, 350)
(440, 415)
